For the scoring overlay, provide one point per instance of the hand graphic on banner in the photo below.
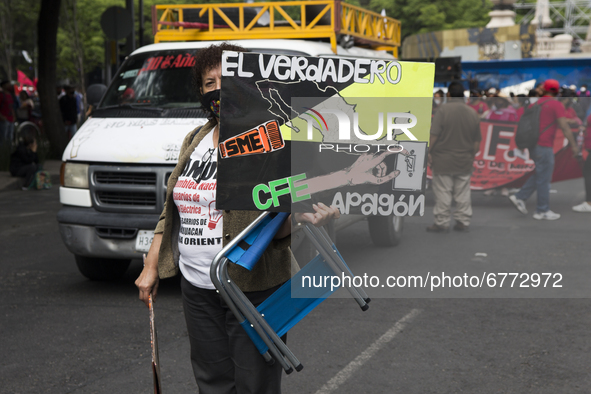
(368, 169)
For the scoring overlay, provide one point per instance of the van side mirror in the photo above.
(95, 93)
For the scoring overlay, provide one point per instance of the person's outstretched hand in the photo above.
(322, 215)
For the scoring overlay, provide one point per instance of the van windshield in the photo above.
(159, 79)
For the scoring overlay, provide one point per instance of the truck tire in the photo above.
(386, 230)
(101, 269)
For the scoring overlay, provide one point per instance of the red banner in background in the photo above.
(500, 164)
(498, 161)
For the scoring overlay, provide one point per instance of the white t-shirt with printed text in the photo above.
(200, 235)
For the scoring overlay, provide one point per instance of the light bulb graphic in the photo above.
(214, 216)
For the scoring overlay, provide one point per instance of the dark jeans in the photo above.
(28, 173)
(224, 359)
(539, 181)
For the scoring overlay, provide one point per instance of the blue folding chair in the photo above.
(269, 321)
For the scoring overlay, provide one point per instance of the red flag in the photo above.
(23, 79)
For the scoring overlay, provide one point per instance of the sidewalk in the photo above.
(8, 182)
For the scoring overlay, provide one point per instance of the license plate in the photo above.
(144, 240)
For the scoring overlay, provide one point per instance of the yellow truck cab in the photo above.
(117, 165)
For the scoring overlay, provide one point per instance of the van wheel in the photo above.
(386, 230)
(101, 269)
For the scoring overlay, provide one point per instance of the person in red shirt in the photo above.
(502, 109)
(585, 206)
(6, 113)
(477, 103)
(552, 117)
(567, 98)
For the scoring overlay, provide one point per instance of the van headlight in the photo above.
(75, 175)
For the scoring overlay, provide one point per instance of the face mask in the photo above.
(437, 101)
(211, 102)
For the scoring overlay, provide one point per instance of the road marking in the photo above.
(13, 215)
(368, 353)
(30, 214)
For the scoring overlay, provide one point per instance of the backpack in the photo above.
(528, 128)
(41, 180)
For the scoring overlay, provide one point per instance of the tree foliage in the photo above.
(18, 27)
(417, 16)
(89, 33)
(421, 16)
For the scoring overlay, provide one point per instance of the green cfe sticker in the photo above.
(275, 189)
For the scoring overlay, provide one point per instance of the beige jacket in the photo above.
(273, 268)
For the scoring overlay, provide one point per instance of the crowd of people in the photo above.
(494, 104)
(455, 141)
(17, 108)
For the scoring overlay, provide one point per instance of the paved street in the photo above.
(64, 334)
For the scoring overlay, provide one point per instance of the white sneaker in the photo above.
(548, 215)
(519, 204)
(582, 207)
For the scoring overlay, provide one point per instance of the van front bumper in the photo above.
(87, 232)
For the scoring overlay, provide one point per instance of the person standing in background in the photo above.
(23, 113)
(585, 206)
(79, 107)
(552, 117)
(7, 115)
(455, 140)
(477, 103)
(437, 101)
(69, 110)
(501, 109)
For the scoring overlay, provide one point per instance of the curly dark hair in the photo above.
(208, 58)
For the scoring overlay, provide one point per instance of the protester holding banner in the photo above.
(223, 357)
(552, 117)
(585, 206)
(455, 140)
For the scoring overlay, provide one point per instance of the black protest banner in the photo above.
(297, 130)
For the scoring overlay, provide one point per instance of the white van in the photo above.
(117, 165)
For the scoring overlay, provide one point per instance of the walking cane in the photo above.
(154, 344)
